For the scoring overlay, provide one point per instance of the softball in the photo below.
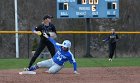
(39, 33)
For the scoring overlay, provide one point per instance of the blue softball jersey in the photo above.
(62, 56)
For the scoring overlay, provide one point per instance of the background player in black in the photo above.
(112, 39)
(49, 28)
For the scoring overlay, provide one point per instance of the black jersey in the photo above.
(44, 28)
(113, 38)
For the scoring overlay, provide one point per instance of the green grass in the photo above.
(82, 62)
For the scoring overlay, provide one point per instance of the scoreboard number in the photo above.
(84, 1)
(95, 1)
(114, 5)
(93, 8)
(66, 6)
(63, 6)
(90, 1)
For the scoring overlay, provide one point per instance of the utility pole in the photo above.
(88, 38)
(16, 29)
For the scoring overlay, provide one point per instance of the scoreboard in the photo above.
(87, 8)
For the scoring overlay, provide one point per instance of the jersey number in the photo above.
(59, 58)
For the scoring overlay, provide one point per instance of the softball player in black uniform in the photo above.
(49, 28)
(112, 39)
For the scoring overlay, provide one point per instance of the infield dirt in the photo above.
(87, 75)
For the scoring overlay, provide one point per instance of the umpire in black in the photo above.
(49, 28)
(112, 39)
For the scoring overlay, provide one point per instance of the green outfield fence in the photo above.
(73, 32)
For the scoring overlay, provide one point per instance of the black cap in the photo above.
(47, 16)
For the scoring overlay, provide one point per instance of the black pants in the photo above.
(112, 47)
(41, 46)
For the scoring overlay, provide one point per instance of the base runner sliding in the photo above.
(56, 63)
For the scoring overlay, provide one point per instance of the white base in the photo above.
(27, 72)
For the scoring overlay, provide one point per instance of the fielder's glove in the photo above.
(45, 35)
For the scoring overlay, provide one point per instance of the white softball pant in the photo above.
(53, 67)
